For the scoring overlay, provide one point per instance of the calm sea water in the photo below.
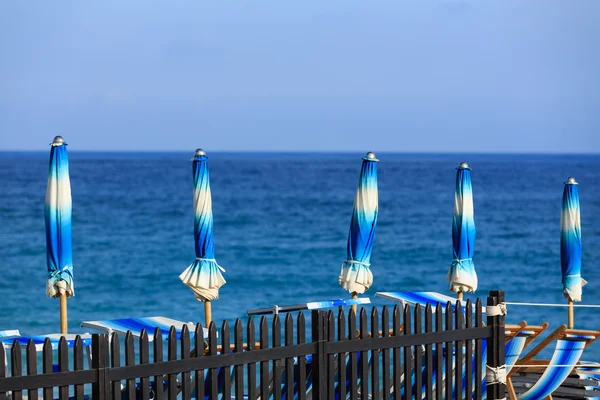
(281, 225)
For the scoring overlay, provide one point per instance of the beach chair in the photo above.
(570, 344)
(136, 325)
(313, 305)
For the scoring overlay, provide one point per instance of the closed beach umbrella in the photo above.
(462, 275)
(203, 276)
(570, 245)
(356, 276)
(57, 213)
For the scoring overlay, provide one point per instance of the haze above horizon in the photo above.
(429, 77)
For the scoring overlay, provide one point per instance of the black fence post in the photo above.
(319, 365)
(100, 388)
(496, 368)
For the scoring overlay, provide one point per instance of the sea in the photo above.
(281, 224)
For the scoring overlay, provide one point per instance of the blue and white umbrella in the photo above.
(57, 213)
(570, 242)
(356, 276)
(462, 275)
(203, 276)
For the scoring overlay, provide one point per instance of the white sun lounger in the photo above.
(422, 298)
(135, 325)
(313, 305)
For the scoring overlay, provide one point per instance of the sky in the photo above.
(312, 75)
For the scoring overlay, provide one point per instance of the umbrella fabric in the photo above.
(57, 213)
(570, 243)
(462, 275)
(356, 276)
(203, 276)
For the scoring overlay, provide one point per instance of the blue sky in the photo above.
(337, 75)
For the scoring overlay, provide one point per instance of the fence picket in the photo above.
(158, 357)
(458, 346)
(251, 338)
(418, 352)
(449, 350)
(144, 359)
(199, 352)
(478, 351)
(353, 356)
(172, 355)
(239, 369)
(77, 366)
(31, 355)
(213, 373)
(374, 354)
(16, 367)
(47, 367)
(289, 362)
(2, 368)
(469, 353)
(330, 323)
(225, 349)
(397, 360)
(342, 357)
(130, 360)
(439, 353)
(115, 361)
(301, 339)
(385, 353)
(277, 369)
(428, 355)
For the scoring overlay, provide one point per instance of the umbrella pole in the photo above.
(207, 313)
(571, 321)
(459, 295)
(354, 296)
(63, 313)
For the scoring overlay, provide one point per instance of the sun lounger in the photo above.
(135, 326)
(314, 305)
(422, 298)
(38, 340)
(570, 344)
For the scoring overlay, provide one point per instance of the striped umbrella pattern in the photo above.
(570, 242)
(462, 275)
(57, 215)
(203, 276)
(356, 275)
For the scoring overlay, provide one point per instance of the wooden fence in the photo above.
(440, 351)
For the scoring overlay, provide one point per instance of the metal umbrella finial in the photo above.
(370, 156)
(463, 165)
(58, 140)
(571, 181)
(199, 153)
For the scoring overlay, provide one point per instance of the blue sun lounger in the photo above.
(422, 298)
(135, 326)
(570, 344)
(9, 337)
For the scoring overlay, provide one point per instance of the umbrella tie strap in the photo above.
(495, 374)
(493, 311)
(210, 259)
(459, 261)
(54, 273)
(358, 262)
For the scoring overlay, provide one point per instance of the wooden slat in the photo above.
(145, 359)
(115, 361)
(158, 357)
(331, 357)
(289, 362)
(251, 338)
(341, 388)
(238, 338)
(199, 347)
(31, 354)
(213, 373)
(375, 374)
(77, 366)
(100, 362)
(264, 365)
(449, 350)
(277, 368)
(353, 370)
(408, 364)
(47, 367)
(301, 339)
(397, 360)
(172, 355)
(16, 367)
(385, 353)
(63, 366)
(439, 354)
(469, 353)
(226, 371)
(130, 360)
(428, 354)
(418, 363)
(458, 345)
(478, 352)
